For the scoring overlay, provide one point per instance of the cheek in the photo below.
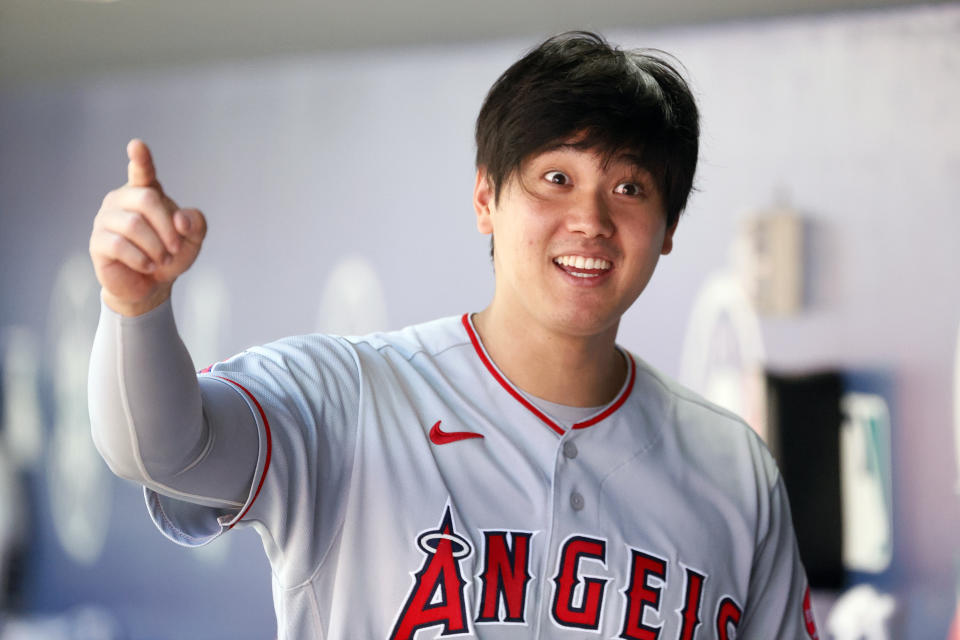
(525, 228)
(648, 239)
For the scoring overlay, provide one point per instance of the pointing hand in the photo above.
(141, 240)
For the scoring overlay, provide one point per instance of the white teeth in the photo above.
(579, 262)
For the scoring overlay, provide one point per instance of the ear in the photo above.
(667, 246)
(483, 201)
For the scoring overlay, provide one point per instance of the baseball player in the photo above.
(510, 473)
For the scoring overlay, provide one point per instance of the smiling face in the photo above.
(577, 239)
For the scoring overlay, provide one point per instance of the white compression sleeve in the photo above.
(154, 423)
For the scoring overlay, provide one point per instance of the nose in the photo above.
(590, 215)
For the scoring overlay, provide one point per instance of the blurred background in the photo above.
(814, 286)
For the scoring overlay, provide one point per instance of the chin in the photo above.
(586, 322)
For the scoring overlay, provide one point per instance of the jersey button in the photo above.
(570, 450)
(576, 501)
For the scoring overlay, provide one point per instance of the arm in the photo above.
(153, 422)
(779, 604)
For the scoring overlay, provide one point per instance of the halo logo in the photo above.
(723, 352)
(437, 598)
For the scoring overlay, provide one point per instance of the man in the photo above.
(511, 473)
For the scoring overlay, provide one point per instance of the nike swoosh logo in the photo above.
(439, 436)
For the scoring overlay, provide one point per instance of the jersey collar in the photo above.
(532, 408)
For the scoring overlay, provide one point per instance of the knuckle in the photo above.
(115, 244)
(149, 198)
(133, 223)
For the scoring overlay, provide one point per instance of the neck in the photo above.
(579, 371)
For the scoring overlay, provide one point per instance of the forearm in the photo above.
(154, 423)
(144, 399)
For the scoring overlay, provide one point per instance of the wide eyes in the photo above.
(556, 177)
(624, 188)
(628, 189)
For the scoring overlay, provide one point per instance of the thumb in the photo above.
(140, 170)
(191, 224)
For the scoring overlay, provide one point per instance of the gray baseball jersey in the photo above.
(404, 488)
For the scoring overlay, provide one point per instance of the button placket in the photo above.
(576, 501)
(570, 452)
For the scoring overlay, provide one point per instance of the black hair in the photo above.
(577, 87)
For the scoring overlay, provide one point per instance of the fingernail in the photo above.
(151, 266)
(167, 259)
(184, 221)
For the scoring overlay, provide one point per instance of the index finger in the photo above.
(140, 170)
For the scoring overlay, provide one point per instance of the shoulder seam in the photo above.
(678, 395)
(414, 353)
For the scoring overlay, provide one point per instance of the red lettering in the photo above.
(436, 597)
(505, 577)
(690, 615)
(728, 613)
(642, 595)
(565, 612)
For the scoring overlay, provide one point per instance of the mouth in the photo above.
(582, 266)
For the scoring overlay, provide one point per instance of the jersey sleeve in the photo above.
(778, 604)
(264, 438)
(303, 394)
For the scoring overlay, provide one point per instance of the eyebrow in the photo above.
(635, 162)
(633, 159)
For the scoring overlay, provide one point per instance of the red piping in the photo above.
(503, 383)
(266, 464)
(530, 406)
(616, 405)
